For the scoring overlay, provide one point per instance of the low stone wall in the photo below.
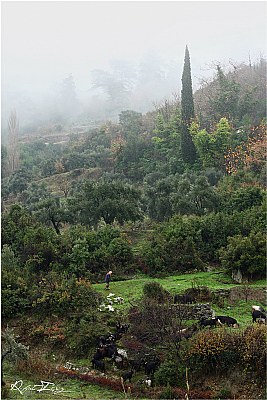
(194, 311)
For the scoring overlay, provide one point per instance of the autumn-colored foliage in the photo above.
(250, 155)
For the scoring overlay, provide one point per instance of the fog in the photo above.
(69, 62)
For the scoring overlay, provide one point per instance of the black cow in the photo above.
(208, 322)
(229, 321)
(258, 314)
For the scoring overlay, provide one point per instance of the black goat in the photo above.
(99, 364)
(136, 364)
(150, 367)
(127, 376)
(122, 328)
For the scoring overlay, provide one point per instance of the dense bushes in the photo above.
(252, 350)
(65, 295)
(188, 243)
(213, 350)
(154, 291)
(246, 254)
(220, 350)
(171, 373)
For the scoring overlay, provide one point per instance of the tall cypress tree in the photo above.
(187, 103)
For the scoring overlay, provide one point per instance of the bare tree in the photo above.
(13, 148)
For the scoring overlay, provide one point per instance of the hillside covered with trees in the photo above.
(177, 190)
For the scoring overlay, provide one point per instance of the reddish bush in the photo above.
(116, 385)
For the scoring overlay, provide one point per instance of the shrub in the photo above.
(82, 334)
(213, 350)
(155, 291)
(63, 294)
(167, 393)
(35, 366)
(252, 349)
(245, 253)
(170, 373)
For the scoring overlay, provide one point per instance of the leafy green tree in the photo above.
(243, 198)
(245, 253)
(239, 95)
(14, 288)
(108, 200)
(50, 211)
(225, 103)
(212, 147)
(40, 246)
(79, 258)
(89, 253)
(215, 228)
(158, 199)
(48, 167)
(173, 247)
(188, 113)
(19, 181)
(194, 195)
(15, 222)
(34, 193)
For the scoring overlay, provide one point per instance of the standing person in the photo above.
(108, 278)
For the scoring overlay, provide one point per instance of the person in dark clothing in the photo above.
(108, 278)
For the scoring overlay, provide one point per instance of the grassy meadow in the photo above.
(131, 291)
(240, 308)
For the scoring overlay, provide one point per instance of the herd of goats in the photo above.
(106, 346)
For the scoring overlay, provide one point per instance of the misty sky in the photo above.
(45, 41)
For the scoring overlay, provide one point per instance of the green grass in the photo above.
(132, 290)
(71, 389)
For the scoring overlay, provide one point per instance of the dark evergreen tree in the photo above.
(187, 104)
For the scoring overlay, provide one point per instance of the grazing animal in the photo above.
(127, 376)
(99, 364)
(122, 328)
(208, 322)
(258, 308)
(118, 360)
(258, 314)
(150, 367)
(110, 350)
(229, 321)
(99, 354)
(148, 381)
(136, 364)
